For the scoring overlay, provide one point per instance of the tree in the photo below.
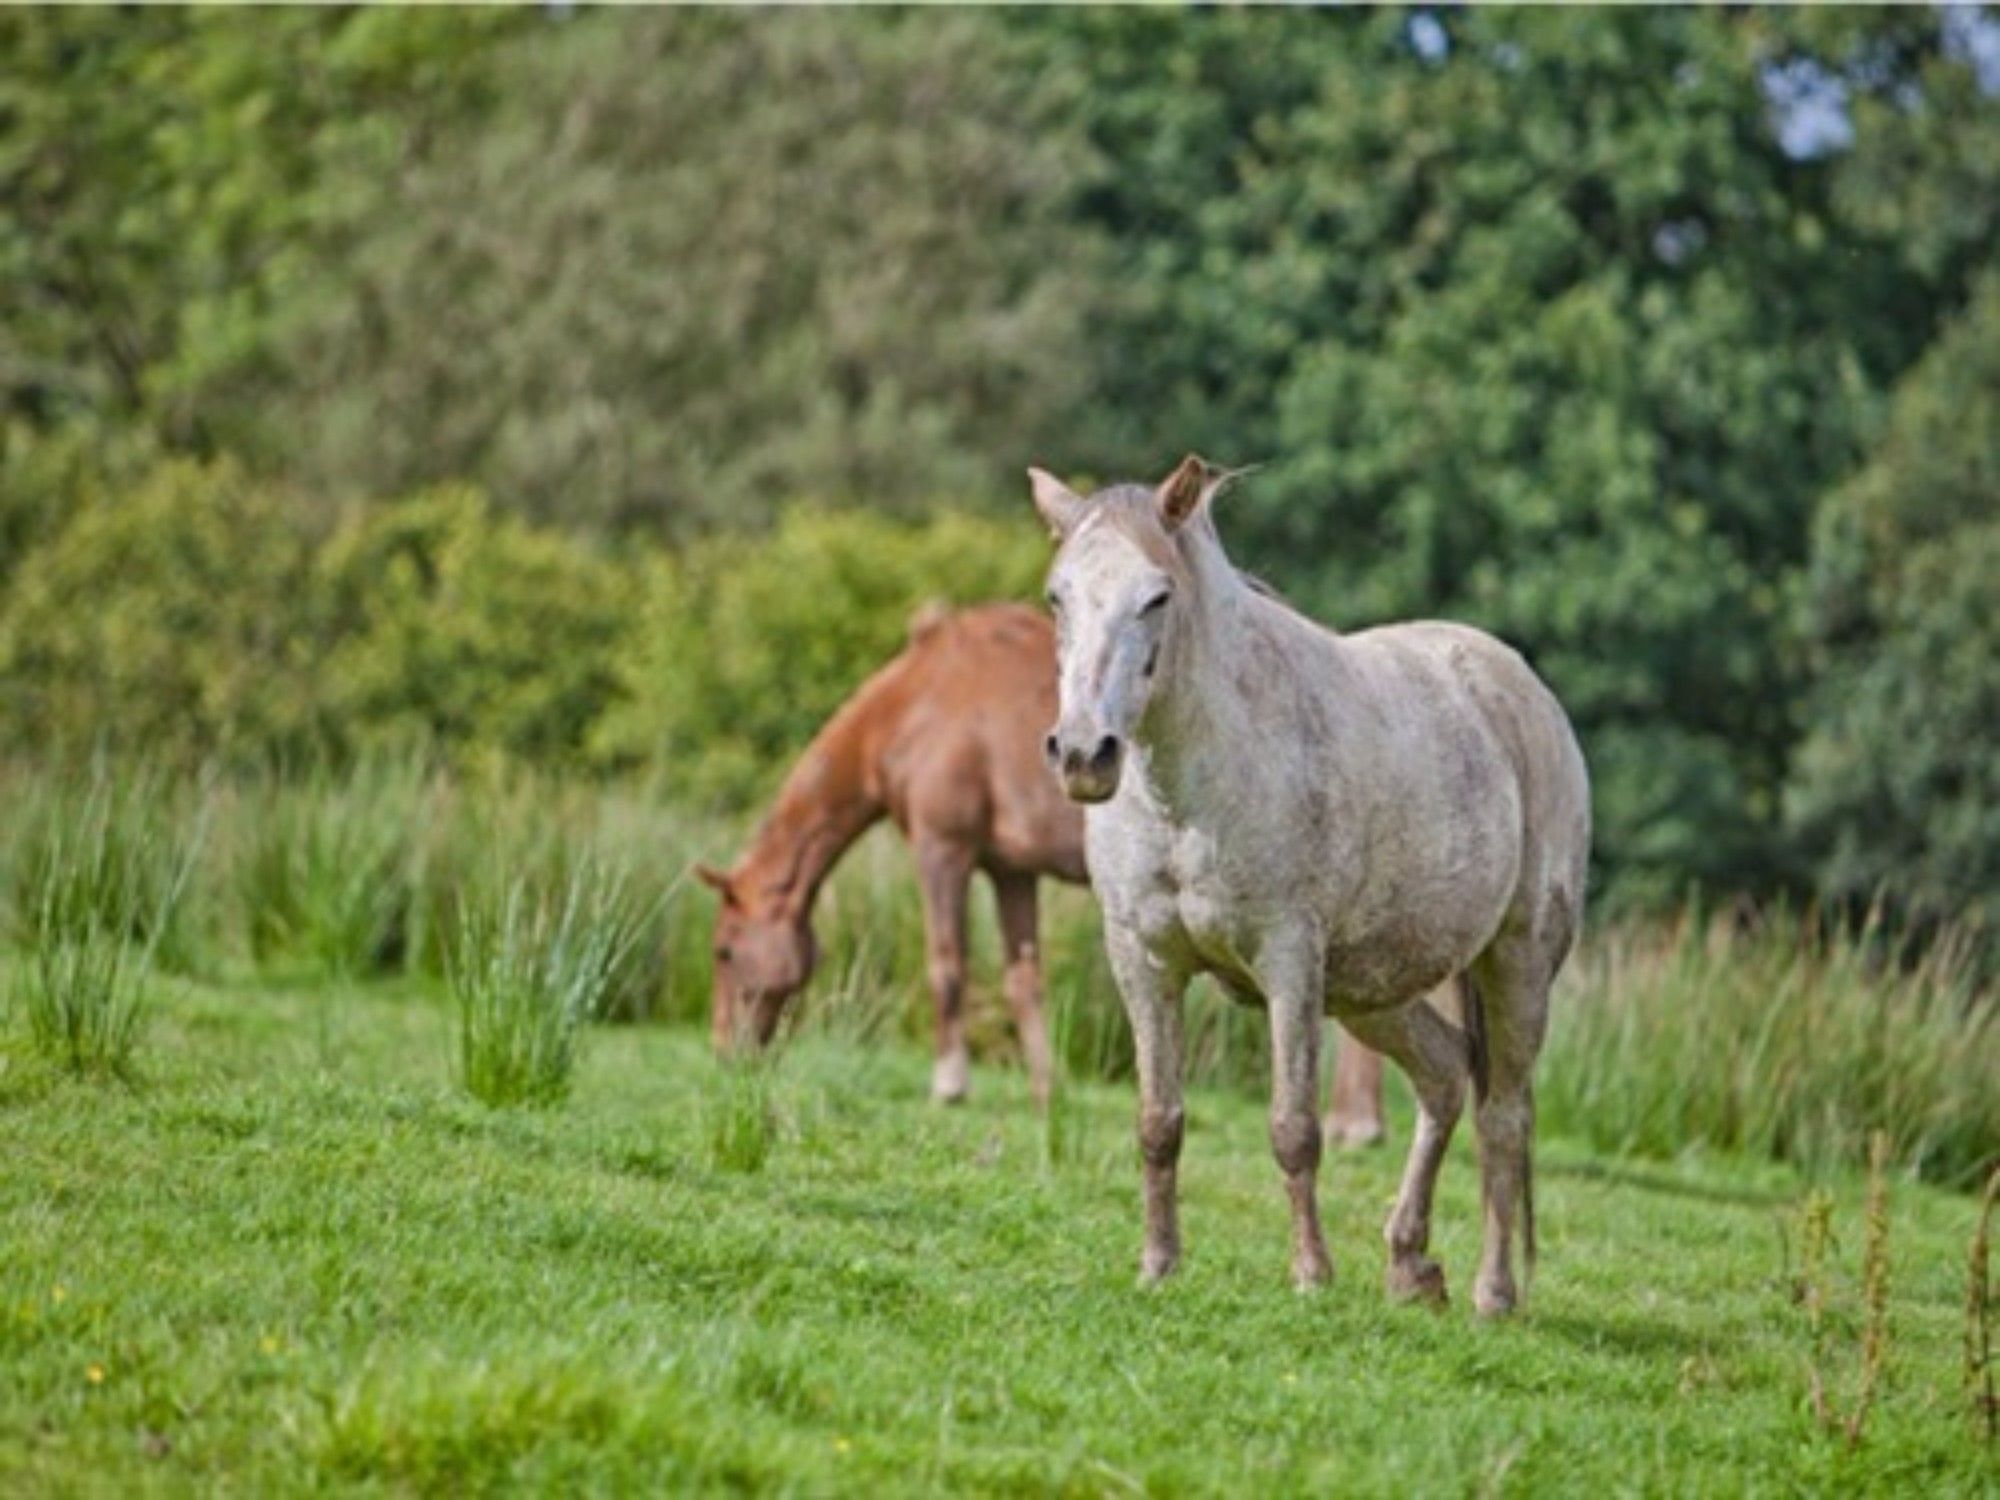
(1896, 791)
(701, 264)
(1537, 323)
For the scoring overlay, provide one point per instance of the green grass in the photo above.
(293, 1257)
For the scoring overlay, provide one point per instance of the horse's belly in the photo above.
(1405, 952)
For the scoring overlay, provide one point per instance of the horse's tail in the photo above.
(1473, 1004)
(1528, 1197)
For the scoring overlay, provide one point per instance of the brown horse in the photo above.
(946, 740)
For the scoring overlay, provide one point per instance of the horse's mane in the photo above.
(1262, 586)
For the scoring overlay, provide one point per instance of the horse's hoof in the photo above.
(1355, 1135)
(1493, 1301)
(1416, 1280)
(951, 1080)
(1156, 1267)
(1310, 1276)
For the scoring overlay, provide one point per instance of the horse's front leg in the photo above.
(1297, 1025)
(1152, 990)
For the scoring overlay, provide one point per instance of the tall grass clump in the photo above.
(527, 970)
(509, 826)
(95, 898)
(117, 849)
(1783, 1038)
(326, 867)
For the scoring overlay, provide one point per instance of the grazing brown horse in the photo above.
(945, 739)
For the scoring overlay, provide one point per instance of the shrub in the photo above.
(453, 627)
(741, 647)
(174, 621)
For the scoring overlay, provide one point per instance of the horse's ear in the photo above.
(926, 618)
(1186, 490)
(1190, 487)
(1060, 506)
(716, 880)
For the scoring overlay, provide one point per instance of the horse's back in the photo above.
(983, 695)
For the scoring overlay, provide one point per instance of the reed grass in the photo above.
(113, 852)
(326, 866)
(527, 971)
(1782, 1038)
(96, 897)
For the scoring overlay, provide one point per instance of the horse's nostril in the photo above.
(1106, 754)
(1051, 749)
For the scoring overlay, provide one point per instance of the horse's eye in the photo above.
(1157, 602)
(723, 955)
(1055, 602)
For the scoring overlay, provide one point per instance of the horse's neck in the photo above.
(827, 802)
(1204, 734)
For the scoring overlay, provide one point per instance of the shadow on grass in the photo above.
(1628, 1337)
(1655, 1180)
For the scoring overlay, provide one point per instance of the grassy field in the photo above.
(292, 1255)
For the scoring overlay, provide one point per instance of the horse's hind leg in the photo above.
(1509, 987)
(1354, 1116)
(1436, 1056)
(944, 870)
(1019, 925)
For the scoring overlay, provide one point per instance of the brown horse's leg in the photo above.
(1436, 1056)
(1016, 897)
(1354, 1118)
(944, 871)
(1152, 994)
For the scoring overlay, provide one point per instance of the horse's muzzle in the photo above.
(1088, 766)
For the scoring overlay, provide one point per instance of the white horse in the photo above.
(1329, 825)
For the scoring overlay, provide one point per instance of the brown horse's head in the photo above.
(764, 952)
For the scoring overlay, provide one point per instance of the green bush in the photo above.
(742, 646)
(451, 626)
(174, 620)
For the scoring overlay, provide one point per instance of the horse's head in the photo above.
(1118, 569)
(764, 953)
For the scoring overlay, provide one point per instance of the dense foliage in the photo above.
(1647, 339)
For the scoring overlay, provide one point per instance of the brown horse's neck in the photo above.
(829, 800)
